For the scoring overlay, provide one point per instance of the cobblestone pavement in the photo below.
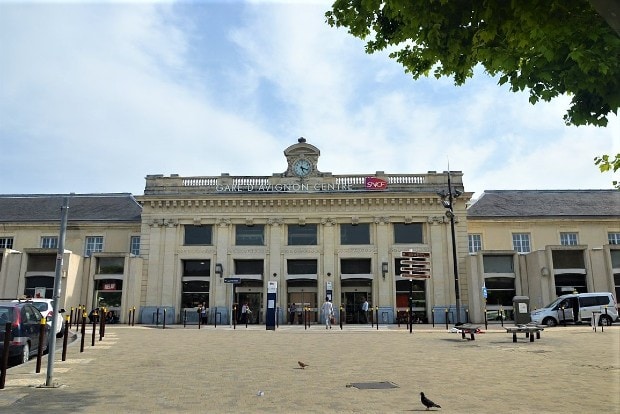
(144, 369)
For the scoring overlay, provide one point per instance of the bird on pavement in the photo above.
(428, 403)
(302, 365)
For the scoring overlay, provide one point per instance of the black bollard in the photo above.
(447, 319)
(133, 318)
(433, 316)
(83, 331)
(466, 315)
(164, 324)
(486, 320)
(71, 316)
(102, 323)
(5, 354)
(184, 318)
(377, 314)
(501, 315)
(95, 314)
(65, 340)
(234, 318)
(340, 317)
(41, 340)
(305, 318)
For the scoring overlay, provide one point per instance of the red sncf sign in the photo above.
(374, 183)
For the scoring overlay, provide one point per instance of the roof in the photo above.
(120, 207)
(546, 203)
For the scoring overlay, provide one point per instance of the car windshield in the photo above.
(554, 303)
(41, 306)
(6, 315)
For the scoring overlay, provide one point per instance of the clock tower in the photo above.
(302, 159)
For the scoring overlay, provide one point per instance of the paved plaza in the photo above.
(144, 369)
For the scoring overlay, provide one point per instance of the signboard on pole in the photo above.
(233, 280)
(415, 265)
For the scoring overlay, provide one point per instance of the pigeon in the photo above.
(302, 365)
(428, 403)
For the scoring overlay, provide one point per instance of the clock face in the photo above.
(302, 167)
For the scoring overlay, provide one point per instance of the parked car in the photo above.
(26, 327)
(562, 309)
(45, 307)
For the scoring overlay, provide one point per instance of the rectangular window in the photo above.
(355, 233)
(408, 233)
(568, 259)
(110, 265)
(249, 267)
(475, 242)
(135, 245)
(498, 263)
(521, 242)
(197, 235)
(305, 235)
(250, 235)
(94, 244)
(301, 267)
(568, 239)
(355, 266)
(614, 238)
(6, 242)
(49, 242)
(196, 268)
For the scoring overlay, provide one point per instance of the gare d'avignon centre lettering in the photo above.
(370, 183)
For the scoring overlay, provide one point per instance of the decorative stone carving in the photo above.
(275, 221)
(437, 219)
(223, 222)
(327, 221)
(382, 220)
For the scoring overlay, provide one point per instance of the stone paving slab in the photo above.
(223, 370)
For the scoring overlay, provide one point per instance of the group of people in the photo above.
(328, 313)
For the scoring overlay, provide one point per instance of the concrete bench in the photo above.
(470, 329)
(528, 330)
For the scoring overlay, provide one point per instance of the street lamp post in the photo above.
(447, 199)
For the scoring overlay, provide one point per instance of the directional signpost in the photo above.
(415, 265)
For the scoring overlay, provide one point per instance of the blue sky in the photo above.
(96, 95)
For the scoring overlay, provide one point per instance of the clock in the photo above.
(302, 167)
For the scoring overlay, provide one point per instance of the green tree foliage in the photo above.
(605, 164)
(548, 47)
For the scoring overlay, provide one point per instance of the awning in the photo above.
(356, 276)
(303, 276)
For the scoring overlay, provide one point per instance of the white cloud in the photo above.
(97, 96)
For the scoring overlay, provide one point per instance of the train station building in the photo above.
(219, 241)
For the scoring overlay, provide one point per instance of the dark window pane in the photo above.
(498, 264)
(110, 265)
(355, 234)
(198, 235)
(408, 233)
(615, 258)
(355, 266)
(302, 235)
(568, 259)
(249, 267)
(41, 262)
(301, 267)
(249, 235)
(196, 268)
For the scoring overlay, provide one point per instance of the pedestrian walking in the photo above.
(328, 312)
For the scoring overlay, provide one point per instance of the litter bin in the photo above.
(521, 306)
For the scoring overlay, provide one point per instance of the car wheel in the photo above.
(25, 353)
(605, 320)
(549, 321)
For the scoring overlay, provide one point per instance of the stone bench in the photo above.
(529, 331)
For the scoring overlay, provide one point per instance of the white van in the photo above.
(578, 307)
